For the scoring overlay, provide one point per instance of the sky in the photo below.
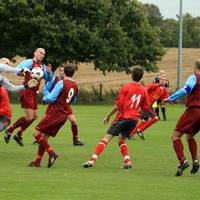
(170, 8)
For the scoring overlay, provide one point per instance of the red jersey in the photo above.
(156, 92)
(27, 76)
(4, 103)
(64, 99)
(193, 98)
(131, 99)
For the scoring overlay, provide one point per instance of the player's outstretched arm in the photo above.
(48, 86)
(189, 85)
(9, 86)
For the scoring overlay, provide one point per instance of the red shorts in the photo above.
(189, 122)
(51, 123)
(28, 99)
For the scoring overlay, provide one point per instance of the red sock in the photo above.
(24, 127)
(44, 143)
(178, 147)
(100, 147)
(193, 148)
(133, 132)
(21, 121)
(74, 129)
(148, 124)
(40, 154)
(124, 150)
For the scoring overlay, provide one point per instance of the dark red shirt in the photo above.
(193, 98)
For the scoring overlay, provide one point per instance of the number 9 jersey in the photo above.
(64, 99)
(132, 98)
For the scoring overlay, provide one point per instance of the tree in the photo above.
(115, 35)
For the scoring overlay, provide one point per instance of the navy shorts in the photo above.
(123, 127)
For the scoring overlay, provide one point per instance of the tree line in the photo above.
(169, 28)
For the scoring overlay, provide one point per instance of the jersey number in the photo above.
(70, 95)
(135, 98)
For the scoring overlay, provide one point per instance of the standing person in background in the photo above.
(28, 98)
(159, 103)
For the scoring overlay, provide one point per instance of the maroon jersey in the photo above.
(131, 98)
(27, 76)
(61, 105)
(193, 98)
(5, 110)
(157, 92)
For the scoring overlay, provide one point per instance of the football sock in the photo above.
(124, 150)
(100, 147)
(24, 127)
(44, 143)
(163, 112)
(147, 124)
(74, 129)
(178, 147)
(133, 132)
(40, 154)
(157, 111)
(193, 148)
(21, 121)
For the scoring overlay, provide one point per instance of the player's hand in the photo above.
(106, 120)
(48, 68)
(24, 70)
(32, 83)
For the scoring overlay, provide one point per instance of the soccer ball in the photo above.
(37, 73)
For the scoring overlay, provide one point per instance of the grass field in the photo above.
(152, 176)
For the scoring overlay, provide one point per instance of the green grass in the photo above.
(152, 176)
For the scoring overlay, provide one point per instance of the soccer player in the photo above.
(48, 87)
(28, 97)
(155, 91)
(56, 115)
(5, 111)
(131, 99)
(159, 103)
(189, 122)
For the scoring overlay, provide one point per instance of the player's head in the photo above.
(4, 61)
(39, 54)
(163, 80)
(69, 69)
(162, 73)
(61, 71)
(197, 66)
(137, 74)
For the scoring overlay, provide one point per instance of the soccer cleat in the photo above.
(131, 138)
(140, 134)
(78, 143)
(182, 168)
(127, 165)
(7, 137)
(195, 167)
(34, 164)
(18, 139)
(88, 164)
(35, 142)
(52, 159)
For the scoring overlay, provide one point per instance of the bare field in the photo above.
(87, 77)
